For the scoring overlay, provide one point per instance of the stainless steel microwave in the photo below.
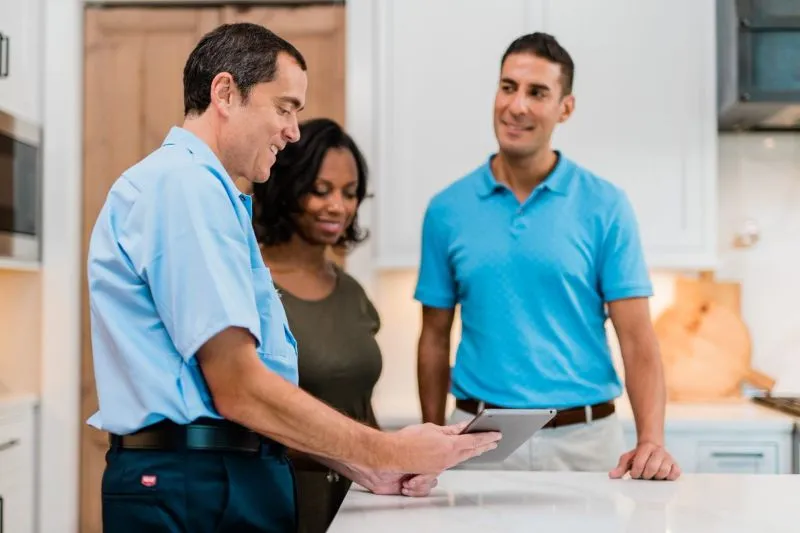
(20, 188)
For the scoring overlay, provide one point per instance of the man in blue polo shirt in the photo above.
(534, 248)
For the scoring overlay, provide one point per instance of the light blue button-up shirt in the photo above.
(532, 279)
(173, 260)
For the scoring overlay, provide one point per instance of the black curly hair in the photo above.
(277, 201)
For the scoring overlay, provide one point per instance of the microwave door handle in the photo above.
(6, 48)
(5, 45)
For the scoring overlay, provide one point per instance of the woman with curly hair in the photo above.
(309, 204)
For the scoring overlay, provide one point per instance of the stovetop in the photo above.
(786, 404)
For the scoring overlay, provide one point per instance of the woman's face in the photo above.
(329, 209)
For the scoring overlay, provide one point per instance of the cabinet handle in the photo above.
(7, 446)
(734, 455)
(5, 46)
(2, 521)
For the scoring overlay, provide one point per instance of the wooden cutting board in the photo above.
(705, 345)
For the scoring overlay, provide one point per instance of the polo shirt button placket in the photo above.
(518, 224)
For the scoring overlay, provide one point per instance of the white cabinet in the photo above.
(21, 27)
(738, 438)
(727, 451)
(17, 468)
(437, 67)
(645, 113)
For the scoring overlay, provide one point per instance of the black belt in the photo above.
(564, 417)
(202, 434)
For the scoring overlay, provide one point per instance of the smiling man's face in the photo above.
(255, 130)
(528, 104)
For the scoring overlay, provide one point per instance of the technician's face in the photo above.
(257, 129)
(528, 104)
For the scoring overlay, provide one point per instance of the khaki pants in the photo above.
(590, 447)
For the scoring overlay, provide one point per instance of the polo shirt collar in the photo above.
(557, 181)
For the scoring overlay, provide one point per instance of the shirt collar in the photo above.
(557, 181)
(182, 137)
(178, 136)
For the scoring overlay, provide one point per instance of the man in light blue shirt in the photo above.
(534, 248)
(195, 365)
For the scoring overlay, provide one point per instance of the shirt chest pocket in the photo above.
(277, 341)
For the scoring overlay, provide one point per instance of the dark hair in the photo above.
(545, 46)
(248, 52)
(277, 201)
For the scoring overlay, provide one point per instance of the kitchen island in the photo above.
(566, 502)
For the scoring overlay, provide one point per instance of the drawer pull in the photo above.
(8, 445)
(738, 455)
(5, 45)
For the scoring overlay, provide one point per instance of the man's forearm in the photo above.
(270, 405)
(433, 374)
(644, 378)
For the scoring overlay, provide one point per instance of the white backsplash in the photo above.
(759, 185)
(760, 182)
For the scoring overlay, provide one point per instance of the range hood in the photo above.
(758, 64)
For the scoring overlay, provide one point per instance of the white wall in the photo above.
(759, 179)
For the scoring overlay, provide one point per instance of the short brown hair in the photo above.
(545, 46)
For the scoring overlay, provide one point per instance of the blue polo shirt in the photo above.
(532, 280)
(173, 261)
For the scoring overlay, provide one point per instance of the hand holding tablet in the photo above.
(516, 426)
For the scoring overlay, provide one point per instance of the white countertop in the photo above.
(566, 502)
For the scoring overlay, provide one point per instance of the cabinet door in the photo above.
(20, 23)
(16, 471)
(436, 68)
(645, 114)
(16, 511)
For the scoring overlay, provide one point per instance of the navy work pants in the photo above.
(198, 492)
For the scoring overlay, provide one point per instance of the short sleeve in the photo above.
(436, 284)
(623, 271)
(188, 244)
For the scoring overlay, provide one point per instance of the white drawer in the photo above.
(737, 458)
(17, 443)
(727, 451)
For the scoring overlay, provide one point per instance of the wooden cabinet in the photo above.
(21, 60)
(644, 118)
(17, 467)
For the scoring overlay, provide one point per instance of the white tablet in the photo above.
(516, 426)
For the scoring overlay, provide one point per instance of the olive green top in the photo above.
(339, 360)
